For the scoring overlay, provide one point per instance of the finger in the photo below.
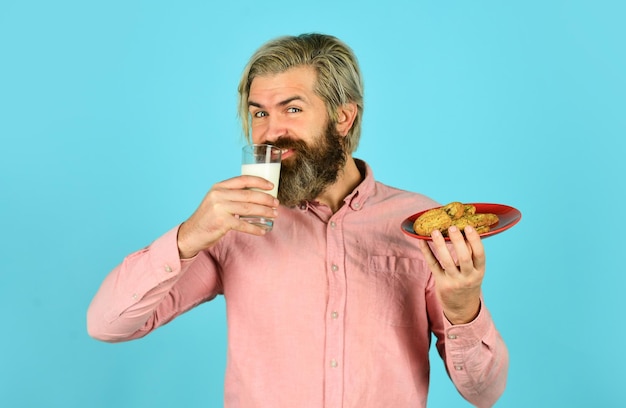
(461, 249)
(244, 202)
(251, 208)
(232, 215)
(475, 243)
(256, 197)
(221, 208)
(247, 181)
(249, 228)
(446, 260)
(429, 257)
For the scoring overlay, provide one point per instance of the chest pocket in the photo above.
(400, 289)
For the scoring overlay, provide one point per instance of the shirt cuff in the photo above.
(164, 255)
(468, 335)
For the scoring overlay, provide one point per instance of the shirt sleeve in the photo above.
(150, 288)
(476, 358)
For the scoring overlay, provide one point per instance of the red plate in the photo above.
(508, 217)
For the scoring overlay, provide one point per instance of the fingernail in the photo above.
(435, 233)
(453, 229)
(469, 229)
(275, 211)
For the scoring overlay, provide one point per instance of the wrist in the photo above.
(185, 251)
(463, 316)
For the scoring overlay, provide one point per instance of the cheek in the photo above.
(257, 133)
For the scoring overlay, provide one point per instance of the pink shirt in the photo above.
(327, 310)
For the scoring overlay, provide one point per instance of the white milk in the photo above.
(269, 171)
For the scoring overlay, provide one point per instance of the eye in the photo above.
(260, 114)
(294, 110)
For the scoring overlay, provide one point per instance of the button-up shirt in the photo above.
(326, 310)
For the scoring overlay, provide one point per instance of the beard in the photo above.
(305, 175)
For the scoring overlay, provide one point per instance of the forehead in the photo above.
(298, 80)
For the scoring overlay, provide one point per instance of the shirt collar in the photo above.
(358, 197)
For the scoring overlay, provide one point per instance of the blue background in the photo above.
(116, 117)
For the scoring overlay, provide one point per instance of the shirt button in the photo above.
(334, 315)
(334, 363)
(334, 267)
(135, 296)
(332, 224)
(452, 336)
(168, 268)
(357, 205)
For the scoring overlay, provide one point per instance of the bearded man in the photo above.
(335, 306)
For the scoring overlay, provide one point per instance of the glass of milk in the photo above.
(261, 160)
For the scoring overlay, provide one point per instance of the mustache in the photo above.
(288, 143)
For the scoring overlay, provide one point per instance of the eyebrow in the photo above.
(281, 103)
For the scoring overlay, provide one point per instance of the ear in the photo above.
(346, 114)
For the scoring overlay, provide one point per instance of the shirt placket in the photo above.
(335, 313)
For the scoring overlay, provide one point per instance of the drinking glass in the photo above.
(262, 160)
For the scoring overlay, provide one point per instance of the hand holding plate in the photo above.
(458, 268)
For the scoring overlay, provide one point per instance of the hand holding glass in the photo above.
(261, 160)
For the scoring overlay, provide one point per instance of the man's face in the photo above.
(287, 113)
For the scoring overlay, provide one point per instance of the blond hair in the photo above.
(338, 75)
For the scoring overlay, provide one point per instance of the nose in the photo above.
(273, 130)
